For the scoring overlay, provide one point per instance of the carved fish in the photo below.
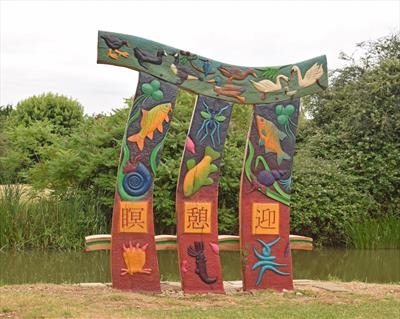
(270, 137)
(197, 175)
(151, 120)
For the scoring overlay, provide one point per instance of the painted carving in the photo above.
(197, 190)
(198, 174)
(152, 89)
(183, 72)
(114, 44)
(265, 184)
(135, 259)
(266, 261)
(190, 146)
(228, 89)
(151, 121)
(133, 217)
(268, 178)
(233, 73)
(211, 123)
(312, 75)
(197, 218)
(214, 247)
(187, 70)
(270, 138)
(138, 181)
(267, 86)
(144, 56)
(265, 219)
(283, 114)
(184, 266)
(197, 251)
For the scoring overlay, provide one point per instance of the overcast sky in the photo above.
(51, 46)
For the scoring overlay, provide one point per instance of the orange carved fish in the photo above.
(270, 137)
(151, 120)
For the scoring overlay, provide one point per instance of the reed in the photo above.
(375, 233)
(29, 221)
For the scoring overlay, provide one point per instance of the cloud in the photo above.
(52, 45)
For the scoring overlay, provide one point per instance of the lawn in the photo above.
(352, 300)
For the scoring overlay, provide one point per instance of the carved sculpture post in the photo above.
(134, 263)
(265, 183)
(264, 196)
(197, 197)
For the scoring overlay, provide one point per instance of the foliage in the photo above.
(35, 123)
(231, 168)
(357, 122)
(346, 167)
(93, 148)
(47, 221)
(5, 112)
(62, 112)
(375, 233)
(23, 149)
(324, 200)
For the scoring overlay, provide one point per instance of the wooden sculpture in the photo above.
(266, 178)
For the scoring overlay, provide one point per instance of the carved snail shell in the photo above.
(138, 182)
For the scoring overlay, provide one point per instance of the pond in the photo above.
(377, 266)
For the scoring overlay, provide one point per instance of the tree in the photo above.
(62, 112)
(29, 129)
(87, 160)
(357, 122)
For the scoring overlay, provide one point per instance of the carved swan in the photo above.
(311, 76)
(267, 86)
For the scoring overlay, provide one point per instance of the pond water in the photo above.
(378, 266)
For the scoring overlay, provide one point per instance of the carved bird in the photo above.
(207, 67)
(144, 56)
(267, 86)
(236, 73)
(114, 44)
(231, 90)
(182, 72)
(312, 75)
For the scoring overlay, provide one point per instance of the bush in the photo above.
(325, 200)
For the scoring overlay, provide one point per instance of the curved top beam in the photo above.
(204, 76)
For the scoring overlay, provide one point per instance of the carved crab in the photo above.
(135, 258)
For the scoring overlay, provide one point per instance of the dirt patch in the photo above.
(351, 287)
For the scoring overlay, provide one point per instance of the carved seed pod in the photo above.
(138, 182)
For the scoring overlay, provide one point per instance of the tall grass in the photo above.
(47, 222)
(375, 233)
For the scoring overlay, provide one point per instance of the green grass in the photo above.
(60, 301)
(29, 221)
(375, 233)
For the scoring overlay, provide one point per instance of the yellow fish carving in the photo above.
(151, 120)
(197, 175)
(270, 137)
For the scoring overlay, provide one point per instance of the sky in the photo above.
(51, 46)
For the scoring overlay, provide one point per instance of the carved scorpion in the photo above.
(201, 269)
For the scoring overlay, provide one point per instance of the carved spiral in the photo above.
(138, 182)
